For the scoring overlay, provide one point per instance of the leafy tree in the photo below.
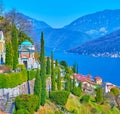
(5, 27)
(59, 80)
(9, 55)
(85, 99)
(22, 37)
(52, 73)
(14, 35)
(43, 72)
(60, 97)
(99, 95)
(48, 66)
(115, 92)
(37, 86)
(77, 90)
(16, 18)
(63, 63)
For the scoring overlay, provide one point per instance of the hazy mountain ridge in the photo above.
(108, 45)
(97, 24)
(59, 39)
(78, 32)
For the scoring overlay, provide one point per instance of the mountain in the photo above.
(97, 24)
(78, 32)
(59, 39)
(108, 45)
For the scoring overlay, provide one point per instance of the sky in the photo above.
(58, 13)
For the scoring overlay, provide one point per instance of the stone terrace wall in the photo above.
(7, 94)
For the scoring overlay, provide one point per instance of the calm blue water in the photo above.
(107, 68)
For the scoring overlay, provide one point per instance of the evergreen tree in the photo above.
(48, 66)
(73, 81)
(37, 86)
(9, 55)
(52, 73)
(99, 95)
(67, 82)
(75, 68)
(56, 63)
(59, 80)
(43, 72)
(14, 35)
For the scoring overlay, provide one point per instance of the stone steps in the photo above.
(9, 108)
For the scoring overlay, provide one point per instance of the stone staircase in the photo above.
(10, 107)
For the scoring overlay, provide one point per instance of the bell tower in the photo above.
(2, 48)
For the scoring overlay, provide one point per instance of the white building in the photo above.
(2, 48)
(26, 55)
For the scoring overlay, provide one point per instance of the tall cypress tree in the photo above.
(43, 72)
(99, 95)
(48, 66)
(9, 55)
(14, 35)
(37, 86)
(59, 80)
(56, 63)
(52, 73)
(67, 82)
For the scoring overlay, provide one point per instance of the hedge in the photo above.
(13, 79)
(27, 103)
(59, 97)
(32, 74)
(10, 80)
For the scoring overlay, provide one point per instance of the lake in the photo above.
(107, 68)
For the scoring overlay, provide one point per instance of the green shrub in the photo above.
(85, 99)
(59, 97)
(58, 112)
(32, 74)
(27, 102)
(21, 111)
(22, 66)
(76, 91)
(11, 80)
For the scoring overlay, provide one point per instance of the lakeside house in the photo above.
(88, 83)
(27, 55)
(108, 86)
(2, 48)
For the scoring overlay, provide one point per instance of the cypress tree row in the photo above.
(48, 66)
(14, 35)
(52, 73)
(9, 55)
(37, 86)
(59, 80)
(43, 72)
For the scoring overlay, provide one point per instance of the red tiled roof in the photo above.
(98, 77)
(82, 78)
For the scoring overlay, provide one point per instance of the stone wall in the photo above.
(7, 94)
